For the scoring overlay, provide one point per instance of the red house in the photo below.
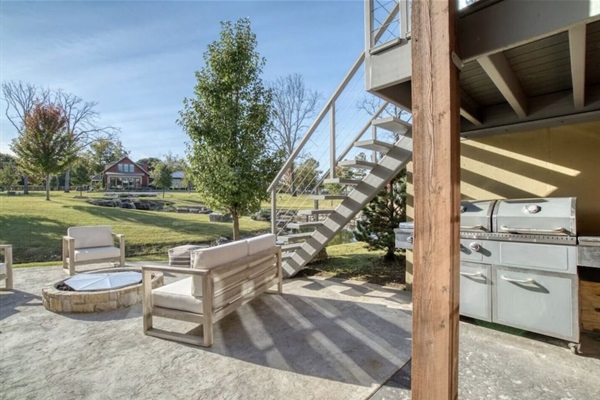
(125, 174)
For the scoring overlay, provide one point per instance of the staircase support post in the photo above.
(273, 212)
(332, 142)
(436, 119)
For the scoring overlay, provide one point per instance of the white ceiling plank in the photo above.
(497, 67)
(577, 52)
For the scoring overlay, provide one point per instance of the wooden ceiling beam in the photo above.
(577, 52)
(469, 109)
(497, 67)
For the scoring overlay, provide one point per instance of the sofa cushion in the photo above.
(96, 253)
(260, 243)
(91, 236)
(177, 296)
(215, 256)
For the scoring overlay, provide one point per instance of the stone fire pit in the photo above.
(99, 300)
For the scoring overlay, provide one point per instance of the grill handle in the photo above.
(555, 231)
(472, 228)
(472, 274)
(529, 281)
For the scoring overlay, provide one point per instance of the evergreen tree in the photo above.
(382, 215)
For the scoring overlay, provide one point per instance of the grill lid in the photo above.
(476, 216)
(547, 216)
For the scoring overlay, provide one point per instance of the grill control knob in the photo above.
(532, 208)
(474, 246)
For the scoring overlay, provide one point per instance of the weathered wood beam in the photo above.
(435, 101)
(497, 67)
(577, 52)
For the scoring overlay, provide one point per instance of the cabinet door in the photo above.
(475, 291)
(540, 302)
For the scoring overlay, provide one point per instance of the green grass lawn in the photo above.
(354, 261)
(35, 226)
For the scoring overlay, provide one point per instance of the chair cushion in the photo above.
(2, 268)
(91, 236)
(215, 256)
(96, 253)
(177, 296)
(260, 243)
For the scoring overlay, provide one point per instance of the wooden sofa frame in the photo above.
(7, 276)
(68, 251)
(215, 306)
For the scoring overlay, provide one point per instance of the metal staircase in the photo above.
(328, 200)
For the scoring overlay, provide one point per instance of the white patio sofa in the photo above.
(92, 245)
(223, 278)
(6, 272)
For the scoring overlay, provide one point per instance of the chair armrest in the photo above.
(5, 246)
(175, 270)
(120, 237)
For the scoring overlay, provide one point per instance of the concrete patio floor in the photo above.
(322, 339)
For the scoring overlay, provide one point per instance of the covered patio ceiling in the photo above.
(523, 65)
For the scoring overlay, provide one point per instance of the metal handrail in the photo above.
(318, 120)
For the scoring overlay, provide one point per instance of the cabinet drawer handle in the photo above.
(523, 281)
(472, 274)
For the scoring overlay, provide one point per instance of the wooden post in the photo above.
(435, 99)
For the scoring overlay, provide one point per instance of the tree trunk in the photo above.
(163, 193)
(25, 184)
(236, 224)
(48, 187)
(292, 178)
(67, 181)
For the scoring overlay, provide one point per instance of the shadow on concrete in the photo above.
(11, 300)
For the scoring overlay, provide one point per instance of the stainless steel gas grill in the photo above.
(519, 264)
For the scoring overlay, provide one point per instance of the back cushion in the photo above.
(91, 236)
(215, 256)
(260, 243)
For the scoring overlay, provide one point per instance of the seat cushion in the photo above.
(2, 268)
(260, 243)
(91, 236)
(96, 253)
(177, 296)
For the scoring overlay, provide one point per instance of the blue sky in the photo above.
(137, 58)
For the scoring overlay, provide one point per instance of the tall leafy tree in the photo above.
(105, 151)
(382, 215)
(46, 146)
(151, 162)
(82, 118)
(227, 122)
(294, 107)
(162, 177)
(81, 173)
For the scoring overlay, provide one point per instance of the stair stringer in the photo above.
(389, 166)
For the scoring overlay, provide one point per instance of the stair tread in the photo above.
(374, 144)
(290, 247)
(342, 181)
(293, 237)
(316, 212)
(357, 164)
(392, 124)
(327, 196)
(302, 225)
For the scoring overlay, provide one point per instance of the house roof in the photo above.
(108, 166)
